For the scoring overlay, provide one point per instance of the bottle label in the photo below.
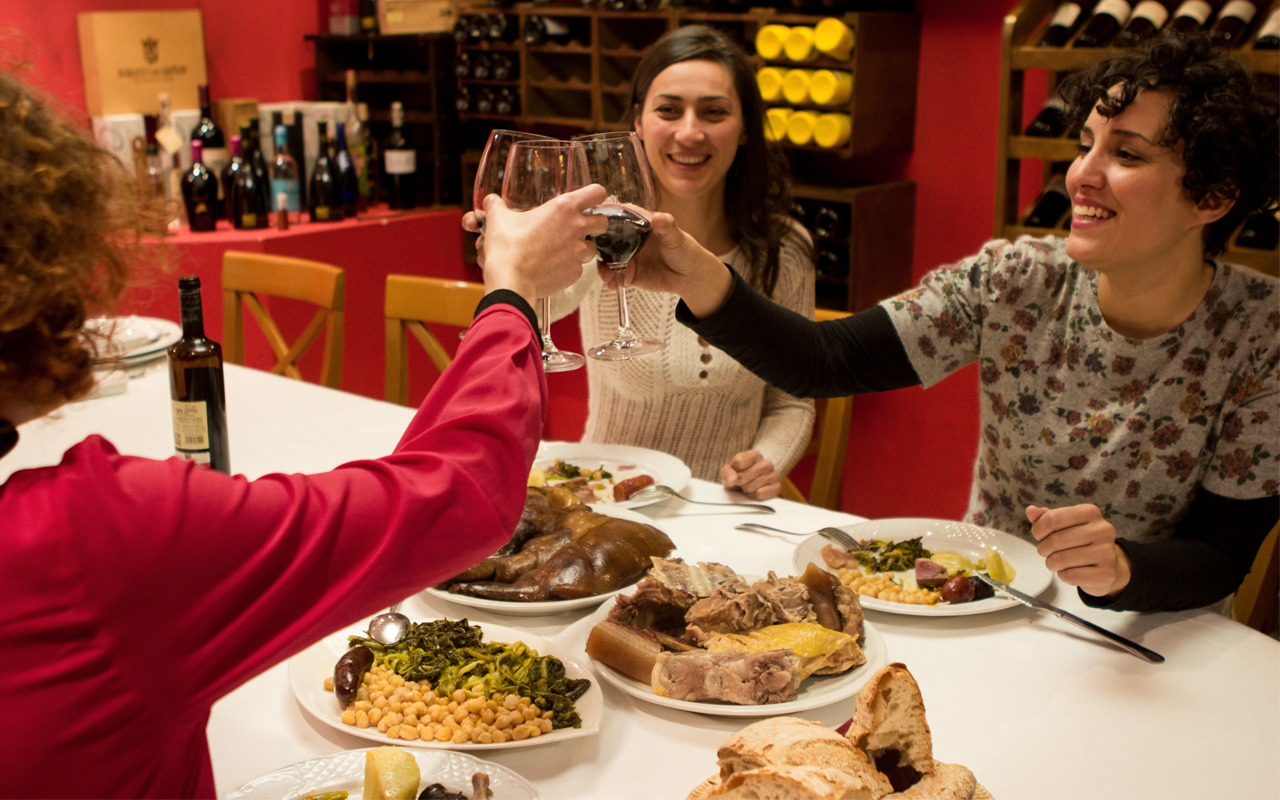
(1066, 15)
(1242, 10)
(321, 212)
(289, 188)
(1117, 8)
(1199, 10)
(249, 220)
(190, 427)
(401, 162)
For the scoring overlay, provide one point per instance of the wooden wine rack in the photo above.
(1020, 53)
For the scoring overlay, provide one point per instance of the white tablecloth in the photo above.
(1034, 706)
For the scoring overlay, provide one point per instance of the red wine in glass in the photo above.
(626, 235)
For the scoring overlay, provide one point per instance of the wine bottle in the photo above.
(462, 29)
(1147, 18)
(589, 4)
(1261, 231)
(196, 388)
(372, 159)
(200, 192)
(617, 5)
(368, 11)
(462, 65)
(1107, 18)
(462, 100)
(539, 30)
(800, 211)
(484, 101)
(284, 177)
(502, 28)
(324, 193)
(831, 261)
(1049, 207)
(477, 29)
(1051, 122)
(348, 181)
(251, 148)
(1063, 23)
(508, 102)
(1269, 35)
(481, 67)
(250, 203)
(1232, 23)
(155, 173)
(504, 67)
(213, 143)
(357, 143)
(400, 163)
(1189, 17)
(227, 178)
(829, 222)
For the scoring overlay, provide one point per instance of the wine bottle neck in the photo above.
(192, 315)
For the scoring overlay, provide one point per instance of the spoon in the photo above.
(667, 490)
(389, 627)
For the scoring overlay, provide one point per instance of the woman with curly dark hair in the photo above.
(1130, 382)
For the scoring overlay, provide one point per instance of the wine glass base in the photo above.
(560, 361)
(626, 349)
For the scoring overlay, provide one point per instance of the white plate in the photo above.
(815, 692)
(137, 338)
(345, 772)
(513, 608)
(664, 468)
(1032, 577)
(308, 669)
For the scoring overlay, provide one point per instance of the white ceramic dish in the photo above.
(137, 338)
(815, 692)
(1032, 577)
(345, 772)
(517, 609)
(308, 669)
(664, 468)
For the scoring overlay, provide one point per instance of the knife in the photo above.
(1039, 605)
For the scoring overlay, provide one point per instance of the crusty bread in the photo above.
(706, 789)
(798, 783)
(785, 741)
(889, 715)
(946, 782)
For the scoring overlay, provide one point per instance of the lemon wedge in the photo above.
(998, 568)
(953, 563)
(537, 477)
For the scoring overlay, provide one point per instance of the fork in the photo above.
(834, 535)
(667, 490)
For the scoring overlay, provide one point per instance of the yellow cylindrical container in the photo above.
(770, 39)
(800, 127)
(795, 86)
(832, 130)
(769, 79)
(775, 123)
(834, 39)
(830, 87)
(799, 45)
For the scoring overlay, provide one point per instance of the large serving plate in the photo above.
(623, 461)
(308, 669)
(514, 608)
(344, 772)
(815, 692)
(1033, 577)
(136, 339)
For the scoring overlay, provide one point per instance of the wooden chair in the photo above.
(412, 300)
(1255, 603)
(247, 275)
(829, 443)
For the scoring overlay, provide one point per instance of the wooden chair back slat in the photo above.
(412, 300)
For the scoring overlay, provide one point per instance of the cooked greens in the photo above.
(563, 469)
(881, 555)
(450, 655)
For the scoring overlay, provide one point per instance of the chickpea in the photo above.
(453, 706)
(375, 715)
(474, 705)
(459, 697)
(349, 717)
(487, 716)
(530, 713)
(394, 732)
(502, 722)
(460, 714)
(510, 702)
(328, 684)
(384, 725)
(362, 719)
(519, 734)
(429, 697)
(443, 734)
(461, 737)
(545, 725)
(484, 737)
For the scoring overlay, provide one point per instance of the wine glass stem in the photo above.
(619, 283)
(544, 324)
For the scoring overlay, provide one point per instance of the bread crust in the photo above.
(946, 782)
(797, 783)
(890, 715)
(786, 741)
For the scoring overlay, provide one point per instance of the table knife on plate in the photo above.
(1039, 605)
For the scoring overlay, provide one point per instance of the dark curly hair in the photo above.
(1224, 118)
(757, 195)
(68, 226)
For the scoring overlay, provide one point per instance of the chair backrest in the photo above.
(412, 300)
(1256, 599)
(247, 275)
(830, 442)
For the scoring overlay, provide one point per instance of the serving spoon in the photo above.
(658, 488)
(389, 627)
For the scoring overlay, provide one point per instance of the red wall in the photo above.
(911, 452)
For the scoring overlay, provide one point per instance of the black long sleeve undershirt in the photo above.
(1205, 560)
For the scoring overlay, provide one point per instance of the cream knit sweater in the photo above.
(691, 400)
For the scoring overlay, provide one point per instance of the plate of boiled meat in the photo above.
(702, 638)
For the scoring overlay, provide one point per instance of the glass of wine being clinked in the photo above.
(538, 170)
(493, 166)
(617, 162)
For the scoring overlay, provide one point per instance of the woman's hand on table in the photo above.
(540, 251)
(672, 261)
(752, 474)
(1080, 546)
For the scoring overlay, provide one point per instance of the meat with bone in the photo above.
(734, 607)
(788, 598)
(669, 590)
(850, 608)
(748, 679)
(821, 651)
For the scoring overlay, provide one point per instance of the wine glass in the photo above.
(617, 162)
(493, 165)
(536, 171)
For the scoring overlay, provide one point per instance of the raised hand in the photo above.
(672, 261)
(540, 251)
(1079, 545)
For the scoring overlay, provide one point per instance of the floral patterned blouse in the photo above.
(1073, 412)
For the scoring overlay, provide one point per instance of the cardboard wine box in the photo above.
(129, 57)
(416, 16)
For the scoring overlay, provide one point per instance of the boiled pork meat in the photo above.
(747, 679)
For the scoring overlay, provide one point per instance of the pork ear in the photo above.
(822, 595)
(889, 715)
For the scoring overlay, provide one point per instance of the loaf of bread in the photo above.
(890, 716)
(945, 782)
(800, 782)
(786, 742)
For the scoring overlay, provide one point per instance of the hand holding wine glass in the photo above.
(493, 166)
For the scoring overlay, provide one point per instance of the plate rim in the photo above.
(576, 665)
(680, 483)
(987, 606)
(170, 332)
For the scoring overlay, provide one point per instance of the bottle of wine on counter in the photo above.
(357, 143)
(1064, 22)
(251, 146)
(200, 192)
(372, 191)
(1108, 17)
(1148, 17)
(284, 177)
(1051, 205)
(348, 181)
(196, 388)
(228, 176)
(249, 199)
(213, 143)
(1189, 17)
(1233, 23)
(324, 193)
(400, 163)
(1051, 122)
(1269, 36)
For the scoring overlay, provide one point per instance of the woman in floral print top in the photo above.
(1130, 383)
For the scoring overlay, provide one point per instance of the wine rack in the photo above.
(1020, 53)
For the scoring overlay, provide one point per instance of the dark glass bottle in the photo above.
(1049, 207)
(1147, 19)
(249, 201)
(462, 65)
(1051, 122)
(197, 389)
(1108, 17)
(1233, 23)
(462, 29)
(200, 193)
(462, 100)
(478, 28)
(502, 28)
(324, 194)
(830, 222)
(285, 185)
(800, 210)
(1064, 22)
(618, 5)
(507, 102)
(481, 67)
(228, 176)
(1189, 17)
(251, 149)
(400, 164)
(539, 30)
(484, 100)
(348, 180)
(504, 67)
(212, 142)
(831, 261)
(1269, 36)
(1261, 231)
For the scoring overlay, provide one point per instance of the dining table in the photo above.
(1034, 706)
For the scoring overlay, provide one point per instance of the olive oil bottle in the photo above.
(196, 387)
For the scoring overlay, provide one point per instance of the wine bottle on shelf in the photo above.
(502, 28)
(1233, 22)
(477, 29)
(1189, 17)
(484, 100)
(462, 29)
(227, 178)
(251, 148)
(368, 12)
(200, 192)
(462, 65)
(372, 158)
(507, 102)
(1051, 205)
(250, 200)
(618, 5)
(1147, 19)
(348, 181)
(1051, 122)
(400, 163)
(504, 67)
(1269, 35)
(324, 193)
(213, 143)
(540, 30)
(481, 67)
(831, 261)
(1108, 17)
(357, 143)
(1064, 22)
(196, 387)
(462, 100)
(829, 222)
(800, 210)
(155, 173)
(1261, 231)
(285, 183)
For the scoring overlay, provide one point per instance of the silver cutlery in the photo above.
(668, 491)
(1039, 605)
(834, 535)
(389, 627)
